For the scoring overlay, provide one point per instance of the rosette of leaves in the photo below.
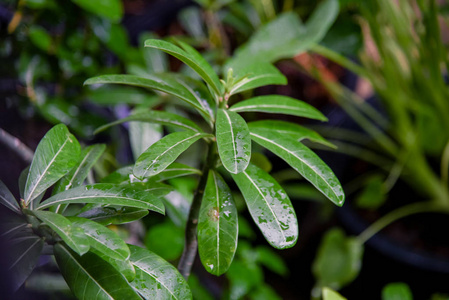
(95, 262)
(212, 222)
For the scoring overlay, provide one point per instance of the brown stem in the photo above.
(13, 143)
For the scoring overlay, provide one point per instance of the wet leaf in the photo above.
(233, 141)
(164, 152)
(269, 206)
(217, 226)
(111, 215)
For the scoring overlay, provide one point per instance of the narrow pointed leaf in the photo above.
(78, 174)
(304, 161)
(156, 278)
(7, 199)
(105, 193)
(143, 135)
(125, 267)
(56, 154)
(90, 277)
(292, 130)
(102, 238)
(277, 104)
(257, 75)
(269, 206)
(233, 141)
(166, 83)
(155, 116)
(110, 215)
(156, 188)
(217, 226)
(190, 57)
(13, 226)
(21, 255)
(72, 235)
(162, 153)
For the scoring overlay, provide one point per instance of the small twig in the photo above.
(13, 143)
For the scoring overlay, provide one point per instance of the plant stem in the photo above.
(13, 143)
(191, 243)
(404, 211)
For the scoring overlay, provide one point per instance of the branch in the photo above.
(13, 143)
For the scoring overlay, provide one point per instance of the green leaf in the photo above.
(269, 206)
(261, 161)
(90, 277)
(397, 291)
(125, 267)
(165, 151)
(373, 194)
(156, 188)
(321, 20)
(156, 278)
(143, 135)
(255, 76)
(292, 130)
(304, 161)
(113, 95)
(192, 58)
(40, 37)
(171, 246)
(277, 104)
(56, 154)
(338, 260)
(175, 170)
(155, 116)
(329, 294)
(72, 235)
(233, 141)
(167, 83)
(21, 255)
(13, 226)
(270, 259)
(110, 215)
(7, 199)
(217, 226)
(105, 193)
(155, 61)
(102, 238)
(110, 9)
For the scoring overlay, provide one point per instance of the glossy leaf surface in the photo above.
(125, 267)
(338, 260)
(72, 235)
(102, 238)
(104, 193)
(190, 57)
(155, 116)
(175, 170)
(21, 255)
(277, 104)
(304, 161)
(166, 83)
(164, 152)
(110, 215)
(257, 75)
(292, 130)
(156, 278)
(233, 141)
(269, 206)
(90, 277)
(7, 199)
(217, 226)
(56, 154)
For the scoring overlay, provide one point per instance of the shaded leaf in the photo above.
(56, 154)
(111, 215)
(338, 260)
(143, 135)
(217, 226)
(192, 58)
(278, 104)
(105, 193)
(21, 255)
(233, 141)
(175, 170)
(255, 76)
(170, 247)
(111, 9)
(156, 278)
(113, 95)
(7, 199)
(292, 130)
(72, 235)
(155, 116)
(102, 238)
(270, 259)
(166, 83)
(164, 152)
(269, 206)
(329, 294)
(90, 277)
(304, 161)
